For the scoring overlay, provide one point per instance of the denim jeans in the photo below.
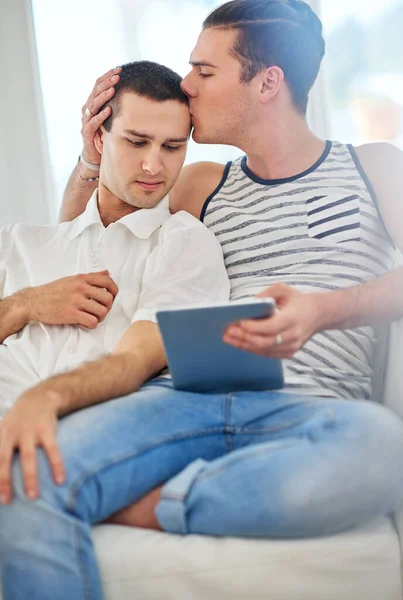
(250, 464)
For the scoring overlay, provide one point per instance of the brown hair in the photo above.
(147, 79)
(282, 33)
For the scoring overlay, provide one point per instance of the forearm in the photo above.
(377, 301)
(134, 361)
(77, 193)
(14, 315)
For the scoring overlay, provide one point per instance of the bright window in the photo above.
(364, 69)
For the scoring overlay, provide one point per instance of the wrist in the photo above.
(334, 309)
(88, 164)
(22, 307)
(321, 310)
(86, 174)
(57, 395)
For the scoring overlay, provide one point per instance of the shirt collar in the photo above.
(142, 223)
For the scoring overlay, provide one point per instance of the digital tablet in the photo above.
(198, 359)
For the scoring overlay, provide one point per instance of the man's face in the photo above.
(220, 103)
(143, 153)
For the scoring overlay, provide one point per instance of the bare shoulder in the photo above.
(195, 184)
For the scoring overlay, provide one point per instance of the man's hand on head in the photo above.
(83, 299)
(92, 119)
(283, 334)
(31, 423)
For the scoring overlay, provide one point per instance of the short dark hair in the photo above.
(147, 79)
(282, 33)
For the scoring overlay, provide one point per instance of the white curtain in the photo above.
(24, 166)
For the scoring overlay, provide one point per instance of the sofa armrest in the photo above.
(393, 382)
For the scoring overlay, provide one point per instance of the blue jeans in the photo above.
(264, 464)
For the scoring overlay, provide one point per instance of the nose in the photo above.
(187, 87)
(152, 163)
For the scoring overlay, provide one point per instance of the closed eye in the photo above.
(205, 75)
(141, 144)
(136, 144)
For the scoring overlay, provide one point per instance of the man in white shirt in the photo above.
(123, 258)
(117, 262)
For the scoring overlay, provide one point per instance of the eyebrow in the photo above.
(202, 63)
(146, 136)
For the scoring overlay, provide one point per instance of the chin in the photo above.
(203, 138)
(149, 202)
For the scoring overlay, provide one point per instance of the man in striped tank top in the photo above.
(312, 223)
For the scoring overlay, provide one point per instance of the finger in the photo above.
(279, 352)
(271, 326)
(260, 341)
(102, 83)
(92, 307)
(102, 91)
(264, 346)
(105, 84)
(251, 340)
(29, 468)
(108, 75)
(54, 455)
(86, 320)
(102, 281)
(246, 346)
(6, 457)
(276, 291)
(101, 296)
(94, 123)
(95, 104)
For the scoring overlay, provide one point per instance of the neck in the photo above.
(110, 207)
(282, 147)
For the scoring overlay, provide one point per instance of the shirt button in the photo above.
(94, 263)
(70, 350)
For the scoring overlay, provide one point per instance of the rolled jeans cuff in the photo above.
(171, 509)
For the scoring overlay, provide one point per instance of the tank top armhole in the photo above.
(370, 188)
(215, 192)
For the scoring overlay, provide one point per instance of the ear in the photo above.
(271, 80)
(99, 139)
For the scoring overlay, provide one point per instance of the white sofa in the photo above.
(363, 564)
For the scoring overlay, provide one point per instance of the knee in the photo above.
(368, 455)
(356, 476)
(19, 520)
(383, 434)
(379, 431)
(23, 517)
(47, 488)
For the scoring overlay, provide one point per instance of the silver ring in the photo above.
(88, 113)
(279, 339)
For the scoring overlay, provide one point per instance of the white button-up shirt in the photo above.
(156, 260)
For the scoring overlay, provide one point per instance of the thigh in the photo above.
(117, 451)
(302, 468)
(269, 416)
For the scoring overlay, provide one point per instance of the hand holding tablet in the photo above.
(199, 360)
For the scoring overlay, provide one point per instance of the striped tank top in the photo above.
(317, 231)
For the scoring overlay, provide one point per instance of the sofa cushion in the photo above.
(149, 565)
